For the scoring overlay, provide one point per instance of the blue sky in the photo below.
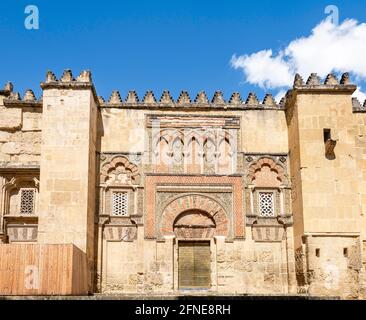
(141, 45)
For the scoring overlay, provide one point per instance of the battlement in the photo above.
(7, 90)
(314, 84)
(357, 106)
(184, 100)
(14, 99)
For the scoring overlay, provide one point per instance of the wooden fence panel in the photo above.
(43, 269)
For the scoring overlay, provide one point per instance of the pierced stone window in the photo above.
(27, 201)
(119, 204)
(266, 204)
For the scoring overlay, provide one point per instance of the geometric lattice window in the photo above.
(119, 204)
(27, 200)
(266, 204)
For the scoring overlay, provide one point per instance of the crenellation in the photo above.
(356, 104)
(67, 76)
(67, 81)
(282, 102)
(345, 79)
(183, 98)
(132, 97)
(218, 98)
(313, 80)
(15, 96)
(29, 96)
(184, 101)
(50, 77)
(330, 84)
(201, 98)
(298, 81)
(85, 76)
(357, 107)
(8, 86)
(269, 100)
(166, 98)
(115, 97)
(235, 99)
(29, 100)
(252, 100)
(331, 80)
(149, 97)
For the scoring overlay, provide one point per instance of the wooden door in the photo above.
(194, 265)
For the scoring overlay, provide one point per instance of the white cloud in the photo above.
(263, 69)
(329, 48)
(361, 96)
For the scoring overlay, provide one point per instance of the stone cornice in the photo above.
(326, 89)
(16, 169)
(11, 103)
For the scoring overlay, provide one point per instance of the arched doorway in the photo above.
(194, 228)
(194, 221)
(194, 224)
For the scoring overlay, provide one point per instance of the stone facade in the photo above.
(277, 191)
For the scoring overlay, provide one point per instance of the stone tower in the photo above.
(325, 191)
(67, 193)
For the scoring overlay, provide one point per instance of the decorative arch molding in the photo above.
(217, 136)
(190, 203)
(194, 224)
(194, 150)
(16, 182)
(266, 173)
(119, 170)
(18, 215)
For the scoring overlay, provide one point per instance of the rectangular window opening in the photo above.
(119, 204)
(317, 252)
(327, 134)
(27, 200)
(266, 204)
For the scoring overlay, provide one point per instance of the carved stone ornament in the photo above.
(120, 233)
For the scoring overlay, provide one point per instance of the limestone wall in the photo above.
(334, 265)
(20, 135)
(236, 267)
(359, 133)
(262, 131)
(329, 187)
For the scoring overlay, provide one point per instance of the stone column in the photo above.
(291, 272)
(2, 204)
(169, 259)
(68, 161)
(220, 258)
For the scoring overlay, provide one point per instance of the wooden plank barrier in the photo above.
(43, 269)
